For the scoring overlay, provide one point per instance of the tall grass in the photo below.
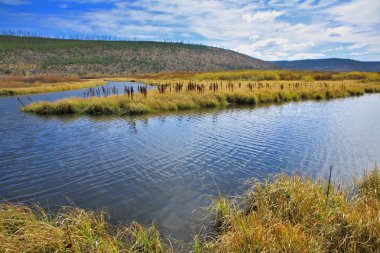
(236, 93)
(285, 214)
(294, 214)
(25, 229)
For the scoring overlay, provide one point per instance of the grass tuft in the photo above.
(294, 214)
(24, 229)
(285, 214)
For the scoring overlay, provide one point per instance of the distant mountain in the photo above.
(34, 55)
(333, 64)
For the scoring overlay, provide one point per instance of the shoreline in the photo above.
(286, 213)
(41, 88)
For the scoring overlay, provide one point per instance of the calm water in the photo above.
(158, 168)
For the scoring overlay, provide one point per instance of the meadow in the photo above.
(265, 75)
(283, 214)
(177, 95)
(42, 83)
(18, 85)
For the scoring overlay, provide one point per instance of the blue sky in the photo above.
(265, 29)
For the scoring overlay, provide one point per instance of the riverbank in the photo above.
(186, 95)
(42, 83)
(41, 87)
(286, 214)
(15, 85)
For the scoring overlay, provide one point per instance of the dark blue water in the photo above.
(158, 167)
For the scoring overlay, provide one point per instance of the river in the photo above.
(162, 168)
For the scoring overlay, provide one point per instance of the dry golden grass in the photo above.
(14, 79)
(286, 214)
(294, 214)
(265, 75)
(24, 229)
(17, 88)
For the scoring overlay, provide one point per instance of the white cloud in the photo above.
(339, 31)
(359, 53)
(263, 16)
(270, 30)
(357, 46)
(358, 12)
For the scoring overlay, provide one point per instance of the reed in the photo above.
(173, 96)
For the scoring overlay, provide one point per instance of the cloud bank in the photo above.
(270, 29)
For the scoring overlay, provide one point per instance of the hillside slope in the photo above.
(23, 55)
(333, 64)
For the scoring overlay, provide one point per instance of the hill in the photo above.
(34, 55)
(334, 64)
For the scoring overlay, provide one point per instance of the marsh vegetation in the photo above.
(17, 85)
(186, 95)
(285, 214)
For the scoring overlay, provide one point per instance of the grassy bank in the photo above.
(172, 96)
(9, 86)
(294, 214)
(25, 229)
(286, 214)
(16, 85)
(266, 75)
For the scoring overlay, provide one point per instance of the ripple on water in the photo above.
(157, 168)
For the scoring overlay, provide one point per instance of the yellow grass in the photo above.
(10, 87)
(266, 75)
(285, 214)
(242, 93)
(294, 214)
(26, 88)
(25, 229)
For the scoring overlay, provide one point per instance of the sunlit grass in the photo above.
(295, 214)
(25, 229)
(9, 89)
(285, 214)
(266, 75)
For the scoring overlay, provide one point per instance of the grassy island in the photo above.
(184, 95)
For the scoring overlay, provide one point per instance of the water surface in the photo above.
(158, 167)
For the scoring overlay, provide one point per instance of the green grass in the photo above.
(284, 214)
(270, 92)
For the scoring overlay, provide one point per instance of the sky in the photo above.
(264, 29)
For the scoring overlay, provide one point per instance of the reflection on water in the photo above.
(158, 167)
